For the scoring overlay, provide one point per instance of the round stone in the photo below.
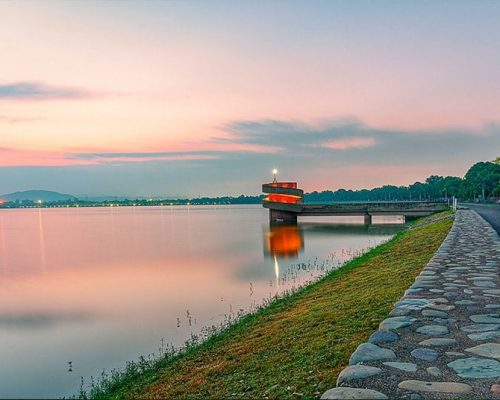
(403, 366)
(485, 284)
(476, 368)
(480, 327)
(398, 312)
(495, 389)
(491, 350)
(341, 393)
(444, 320)
(442, 307)
(437, 387)
(370, 352)
(425, 354)
(396, 323)
(354, 372)
(484, 335)
(465, 302)
(412, 304)
(439, 300)
(434, 313)
(438, 342)
(383, 337)
(486, 318)
(435, 330)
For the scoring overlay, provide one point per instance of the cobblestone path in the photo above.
(442, 339)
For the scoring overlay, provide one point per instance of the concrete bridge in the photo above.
(285, 205)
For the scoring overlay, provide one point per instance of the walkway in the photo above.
(490, 212)
(442, 341)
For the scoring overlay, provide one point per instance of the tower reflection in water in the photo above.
(287, 241)
(284, 241)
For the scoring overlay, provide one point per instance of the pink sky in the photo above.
(168, 77)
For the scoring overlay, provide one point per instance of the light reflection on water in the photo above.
(101, 286)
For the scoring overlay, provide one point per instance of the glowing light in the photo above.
(275, 171)
(39, 201)
(277, 270)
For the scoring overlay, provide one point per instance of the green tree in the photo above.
(483, 178)
(451, 186)
(496, 191)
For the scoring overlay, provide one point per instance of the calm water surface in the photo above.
(101, 286)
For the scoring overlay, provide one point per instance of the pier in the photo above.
(284, 202)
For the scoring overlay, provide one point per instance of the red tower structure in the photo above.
(282, 196)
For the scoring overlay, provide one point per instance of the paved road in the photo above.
(442, 339)
(490, 212)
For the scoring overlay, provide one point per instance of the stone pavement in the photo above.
(442, 339)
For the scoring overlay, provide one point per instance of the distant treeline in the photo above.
(481, 182)
(136, 202)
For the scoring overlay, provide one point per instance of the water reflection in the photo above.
(287, 241)
(101, 286)
(283, 241)
(41, 320)
(43, 262)
(3, 246)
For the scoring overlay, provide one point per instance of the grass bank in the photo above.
(297, 345)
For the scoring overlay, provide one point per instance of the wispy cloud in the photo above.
(350, 143)
(10, 157)
(117, 157)
(353, 142)
(330, 155)
(28, 90)
(19, 157)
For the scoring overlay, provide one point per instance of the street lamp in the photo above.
(275, 171)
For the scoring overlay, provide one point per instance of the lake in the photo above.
(84, 289)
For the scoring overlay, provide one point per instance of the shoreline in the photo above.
(440, 338)
(285, 324)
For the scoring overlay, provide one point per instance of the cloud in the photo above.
(118, 157)
(350, 143)
(330, 155)
(40, 91)
(10, 157)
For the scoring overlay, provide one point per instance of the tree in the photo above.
(483, 177)
(496, 191)
(451, 186)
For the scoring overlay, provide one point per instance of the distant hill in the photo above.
(35, 195)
